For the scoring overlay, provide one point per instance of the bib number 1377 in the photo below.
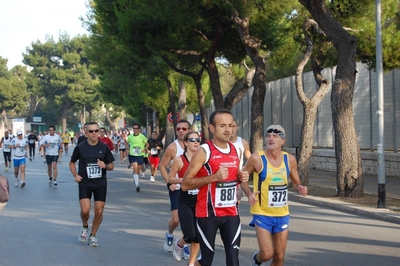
(93, 170)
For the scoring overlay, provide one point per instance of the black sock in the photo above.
(255, 259)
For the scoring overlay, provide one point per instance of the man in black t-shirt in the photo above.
(95, 159)
(32, 138)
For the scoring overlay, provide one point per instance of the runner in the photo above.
(32, 138)
(40, 144)
(65, 139)
(214, 169)
(173, 150)
(4, 191)
(106, 140)
(186, 201)
(123, 154)
(52, 144)
(269, 203)
(95, 159)
(242, 148)
(137, 144)
(153, 147)
(19, 147)
(5, 144)
(115, 138)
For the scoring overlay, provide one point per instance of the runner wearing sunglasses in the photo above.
(268, 201)
(186, 201)
(173, 150)
(95, 159)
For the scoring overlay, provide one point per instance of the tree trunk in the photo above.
(257, 99)
(309, 105)
(4, 119)
(200, 94)
(170, 133)
(109, 120)
(64, 116)
(32, 106)
(348, 158)
(212, 71)
(239, 89)
(201, 100)
(182, 99)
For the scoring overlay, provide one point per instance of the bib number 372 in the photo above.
(277, 196)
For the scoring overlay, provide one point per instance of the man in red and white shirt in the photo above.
(215, 170)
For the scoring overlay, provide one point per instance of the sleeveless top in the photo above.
(240, 149)
(6, 144)
(179, 152)
(192, 193)
(218, 198)
(272, 182)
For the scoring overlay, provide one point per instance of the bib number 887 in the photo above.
(227, 194)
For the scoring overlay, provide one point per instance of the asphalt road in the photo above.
(40, 225)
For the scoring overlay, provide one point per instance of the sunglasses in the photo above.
(194, 140)
(181, 128)
(135, 128)
(91, 131)
(102, 131)
(273, 130)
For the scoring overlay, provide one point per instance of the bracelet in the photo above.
(106, 166)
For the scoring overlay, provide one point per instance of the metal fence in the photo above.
(281, 106)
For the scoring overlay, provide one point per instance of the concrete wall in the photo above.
(324, 159)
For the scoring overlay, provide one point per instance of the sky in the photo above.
(25, 21)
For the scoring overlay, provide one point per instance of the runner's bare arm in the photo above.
(175, 167)
(166, 159)
(190, 181)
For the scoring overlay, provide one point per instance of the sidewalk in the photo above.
(328, 180)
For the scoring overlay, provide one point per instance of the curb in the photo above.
(385, 215)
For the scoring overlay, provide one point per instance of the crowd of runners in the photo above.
(205, 181)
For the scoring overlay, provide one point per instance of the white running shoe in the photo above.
(50, 182)
(16, 182)
(152, 179)
(83, 235)
(168, 242)
(177, 253)
(6, 169)
(93, 241)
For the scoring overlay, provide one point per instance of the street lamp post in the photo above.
(380, 109)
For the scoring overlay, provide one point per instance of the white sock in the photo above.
(136, 179)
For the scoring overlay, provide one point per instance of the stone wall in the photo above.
(324, 159)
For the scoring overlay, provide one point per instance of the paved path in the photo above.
(39, 226)
(328, 179)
